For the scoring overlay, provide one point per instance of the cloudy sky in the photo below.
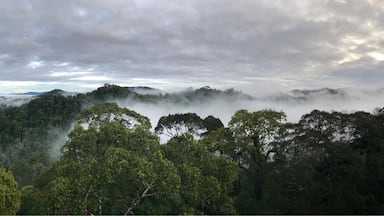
(251, 45)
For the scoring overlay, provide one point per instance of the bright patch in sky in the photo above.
(377, 56)
(92, 78)
(25, 86)
(350, 57)
(17, 83)
(66, 73)
(35, 64)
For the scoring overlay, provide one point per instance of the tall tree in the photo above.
(206, 179)
(112, 165)
(254, 132)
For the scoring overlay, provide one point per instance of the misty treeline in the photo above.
(113, 163)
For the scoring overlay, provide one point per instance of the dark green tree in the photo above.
(9, 193)
(175, 125)
(206, 179)
(212, 124)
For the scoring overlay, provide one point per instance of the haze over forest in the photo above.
(62, 151)
(223, 103)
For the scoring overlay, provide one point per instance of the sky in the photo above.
(253, 46)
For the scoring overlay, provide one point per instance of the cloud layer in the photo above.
(250, 45)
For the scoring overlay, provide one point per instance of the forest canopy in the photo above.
(112, 161)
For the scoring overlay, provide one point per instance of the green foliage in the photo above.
(222, 141)
(212, 124)
(28, 132)
(30, 199)
(112, 163)
(9, 194)
(175, 125)
(321, 166)
(206, 179)
(107, 112)
(254, 131)
(38, 128)
(110, 92)
(110, 167)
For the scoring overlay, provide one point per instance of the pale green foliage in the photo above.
(109, 112)
(265, 125)
(254, 132)
(9, 194)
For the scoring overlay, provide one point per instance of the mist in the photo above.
(154, 104)
(12, 100)
(223, 104)
(59, 137)
(294, 103)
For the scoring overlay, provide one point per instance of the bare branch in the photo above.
(138, 199)
(86, 201)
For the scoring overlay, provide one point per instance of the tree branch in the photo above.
(86, 201)
(138, 199)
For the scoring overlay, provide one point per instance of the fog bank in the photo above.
(294, 103)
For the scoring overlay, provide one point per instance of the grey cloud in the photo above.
(362, 76)
(198, 41)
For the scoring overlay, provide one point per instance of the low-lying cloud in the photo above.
(223, 104)
(294, 104)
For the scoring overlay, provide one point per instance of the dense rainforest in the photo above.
(85, 154)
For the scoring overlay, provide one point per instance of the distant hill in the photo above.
(152, 95)
(306, 96)
(206, 94)
(31, 93)
(144, 90)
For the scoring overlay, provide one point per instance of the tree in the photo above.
(108, 112)
(30, 201)
(206, 179)
(223, 142)
(314, 169)
(254, 132)
(112, 165)
(9, 194)
(212, 124)
(176, 124)
(370, 144)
